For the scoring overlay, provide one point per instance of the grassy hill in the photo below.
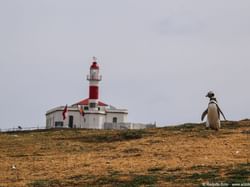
(184, 155)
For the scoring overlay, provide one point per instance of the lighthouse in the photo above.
(94, 78)
(91, 112)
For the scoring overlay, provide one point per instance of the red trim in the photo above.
(94, 66)
(93, 92)
(85, 102)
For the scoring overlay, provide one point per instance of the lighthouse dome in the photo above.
(94, 66)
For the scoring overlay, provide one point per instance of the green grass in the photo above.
(45, 183)
(184, 128)
(239, 174)
(108, 136)
(171, 177)
(132, 150)
(142, 180)
(114, 180)
(203, 176)
(111, 180)
(155, 169)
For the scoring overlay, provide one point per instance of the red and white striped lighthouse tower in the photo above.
(94, 79)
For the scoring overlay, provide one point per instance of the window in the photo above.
(114, 119)
(58, 124)
(92, 105)
(86, 108)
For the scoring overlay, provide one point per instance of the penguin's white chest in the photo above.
(212, 113)
(213, 116)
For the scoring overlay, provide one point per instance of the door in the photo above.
(71, 121)
(114, 119)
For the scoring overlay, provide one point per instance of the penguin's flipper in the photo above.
(204, 114)
(220, 111)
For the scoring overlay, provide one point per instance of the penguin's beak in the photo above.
(207, 95)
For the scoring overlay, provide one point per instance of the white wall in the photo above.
(53, 117)
(121, 117)
(91, 119)
(57, 117)
(94, 121)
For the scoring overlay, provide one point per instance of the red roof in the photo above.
(86, 102)
(94, 66)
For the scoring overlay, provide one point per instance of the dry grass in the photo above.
(173, 156)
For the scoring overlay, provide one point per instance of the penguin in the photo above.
(213, 112)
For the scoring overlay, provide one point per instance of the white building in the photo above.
(88, 113)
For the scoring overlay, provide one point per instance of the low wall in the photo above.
(128, 126)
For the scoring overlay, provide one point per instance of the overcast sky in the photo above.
(158, 58)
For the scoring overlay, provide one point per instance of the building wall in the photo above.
(56, 117)
(91, 119)
(121, 117)
(94, 121)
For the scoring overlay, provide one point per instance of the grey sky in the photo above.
(158, 58)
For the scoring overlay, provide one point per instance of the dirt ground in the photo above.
(186, 155)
